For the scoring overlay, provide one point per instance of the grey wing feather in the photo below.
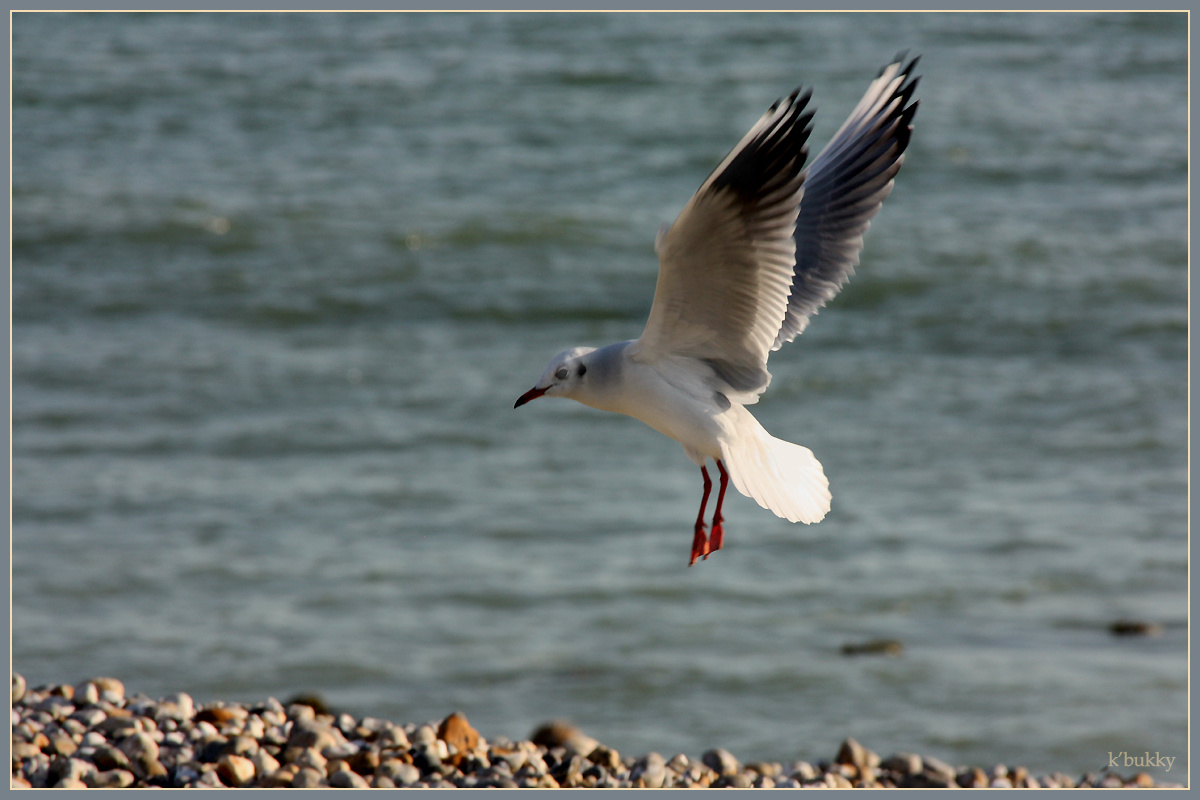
(843, 190)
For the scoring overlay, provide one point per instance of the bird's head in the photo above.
(563, 376)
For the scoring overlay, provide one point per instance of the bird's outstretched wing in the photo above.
(764, 243)
(843, 190)
(726, 264)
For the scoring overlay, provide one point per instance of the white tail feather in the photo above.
(780, 476)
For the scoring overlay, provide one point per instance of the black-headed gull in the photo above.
(758, 250)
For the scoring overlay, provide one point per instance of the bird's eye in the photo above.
(561, 373)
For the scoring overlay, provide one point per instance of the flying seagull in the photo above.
(758, 250)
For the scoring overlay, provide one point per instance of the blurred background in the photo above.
(278, 279)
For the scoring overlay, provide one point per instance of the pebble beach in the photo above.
(96, 735)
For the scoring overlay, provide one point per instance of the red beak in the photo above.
(532, 394)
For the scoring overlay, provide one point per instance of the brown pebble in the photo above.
(1135, 627)
(457, 732)
(108, 758)
(235, 770)
(219, 715)
(606, 757)
(1143, 780)
(365, 761)
(874, 647)
(313, 701)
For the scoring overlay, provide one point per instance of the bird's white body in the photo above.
(759, 248)
(675, 396)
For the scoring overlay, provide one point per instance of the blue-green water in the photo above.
(277, 281)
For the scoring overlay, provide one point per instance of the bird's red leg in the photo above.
(700, 541)
(718, 533)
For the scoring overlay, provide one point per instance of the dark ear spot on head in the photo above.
(582, 369)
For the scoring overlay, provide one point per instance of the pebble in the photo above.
(721, 761)
(92, 734)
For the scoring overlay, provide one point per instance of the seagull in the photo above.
(758, 250)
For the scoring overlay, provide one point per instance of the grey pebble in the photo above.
(346, 779)
(400, 773)
(721, 761)
(308, 778)
(904, 763)
(936, 768)
(651, 770)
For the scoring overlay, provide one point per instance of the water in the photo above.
(277, 281)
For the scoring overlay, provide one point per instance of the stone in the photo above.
(86, 694)
(234, 770)
(109, 779)
(904, 764)
(1135, 627)
(313, 701)
(106, 757)
(650, 770)
(937, 769)
(279, 779)
(768, 769)
(347, 779)
(393, 736)
(315, 735)
(874, 647)
(569, 771)
(456, 732)
(721, 761)
(562, 733)
(60, 743)
(740, 781)
(264, 762)
(804, 772)
(57, 706)
(111, 690)
(177, 706)
(836, 780)
(425, 734)
(117, 727)
(365, 761)
(605, 757)
(140, 748)
(974, 778)
(426, 758)
(308, 778)
(311, 758)
(240, 746)
(854, 754)
(74, 769)
(89, 717)
(18, 687)
(400, 773)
